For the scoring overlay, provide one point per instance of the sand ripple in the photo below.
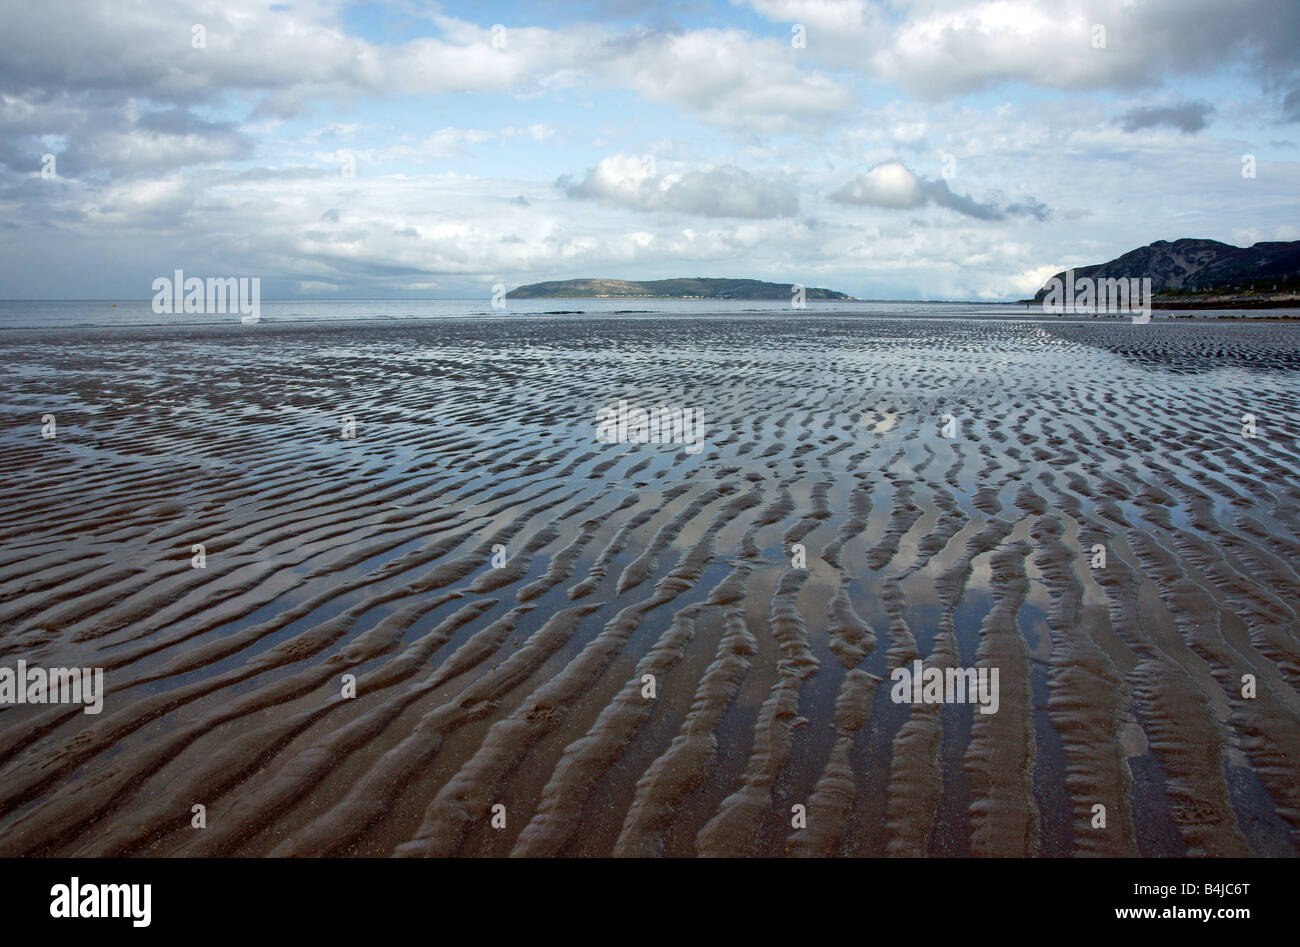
(565, 647)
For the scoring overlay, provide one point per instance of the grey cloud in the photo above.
(179, 121)
(114, 140)
(1030, 207)
(944, 196)
(1188, 117)
(1291, 106)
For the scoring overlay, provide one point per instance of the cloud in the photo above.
(946, 48)
(1030, 207)
(940, 49)
(311, 287)
(283, 60)
(942, 195)
(840, 33)
(1188, 117)
(730, 78)
(894, 186)
(889, 184)
(1291, 106)
(115, 140)
(723, 191)
(162, 160)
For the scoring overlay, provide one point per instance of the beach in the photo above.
(378, 589)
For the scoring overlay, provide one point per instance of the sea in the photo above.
(109, 313)
(100, 313)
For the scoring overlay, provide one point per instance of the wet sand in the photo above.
(523, 685)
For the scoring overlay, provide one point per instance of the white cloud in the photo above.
(313, 287)
(843, 33)
(937, 48)
(286, 59)
(890, 184)
(723, 191)
(728, 77)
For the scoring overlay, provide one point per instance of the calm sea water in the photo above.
(36, 314)
(67, 314)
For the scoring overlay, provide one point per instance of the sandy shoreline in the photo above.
(522, 685)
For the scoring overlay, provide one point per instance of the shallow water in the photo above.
(522, 685)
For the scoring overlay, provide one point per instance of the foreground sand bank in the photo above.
(523, 685)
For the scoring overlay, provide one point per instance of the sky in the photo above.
(890, 150)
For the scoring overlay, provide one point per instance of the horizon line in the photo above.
(363, 299)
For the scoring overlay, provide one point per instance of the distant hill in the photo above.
(1190, 272)
(696, 288)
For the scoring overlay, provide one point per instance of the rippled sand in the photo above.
(521, 686)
